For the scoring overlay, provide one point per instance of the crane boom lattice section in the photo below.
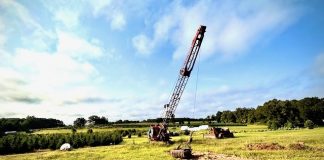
(169, 109)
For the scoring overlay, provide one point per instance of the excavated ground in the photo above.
(212, 156)
(264, 146)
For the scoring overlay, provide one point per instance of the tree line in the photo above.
(28, 123)
(276, 113)
(92, 120)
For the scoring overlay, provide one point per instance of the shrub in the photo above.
(22, 143)
(273, 124)
(289, 125)
(309, 124)
(125, 133)
(139, 134)
(89, 131)
(73, 130)
(186, 132)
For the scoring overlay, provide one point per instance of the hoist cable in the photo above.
(195, 100)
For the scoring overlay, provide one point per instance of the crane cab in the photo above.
(158, 132)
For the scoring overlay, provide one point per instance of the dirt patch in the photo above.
(299, 146)
(211, 156)
(264, 146)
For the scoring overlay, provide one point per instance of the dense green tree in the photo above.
(242, 115)
(278, 113)
(25, 124)
(252, 116)
(79, 122)
(97, 120)
(309, 124)
(228, 117)
(218, 116)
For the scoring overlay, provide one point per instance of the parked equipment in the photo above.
(219, 133)
(160, 132)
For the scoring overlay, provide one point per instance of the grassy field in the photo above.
(140, 148)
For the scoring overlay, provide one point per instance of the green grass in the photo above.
(140, 148)
(53, 131)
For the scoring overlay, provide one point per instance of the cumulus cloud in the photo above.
(68, 17)
(46, 81)
(14, 16)
(117, 21)
(112, 11)
(12, 86)
(3, 38)
(77, 47)
(85, 100)
(39, 81)
(54, 69)
(232, 28)
(142, 44)
(21, 12)
(69, 13)
(99, 5)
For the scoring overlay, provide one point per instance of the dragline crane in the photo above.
(159, 132)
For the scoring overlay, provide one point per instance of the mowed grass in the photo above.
(140, 148)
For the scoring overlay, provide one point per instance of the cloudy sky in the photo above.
(120, 59)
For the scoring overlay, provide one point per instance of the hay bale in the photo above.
(65, 147)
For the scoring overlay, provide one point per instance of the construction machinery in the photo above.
(219, 133)
(160, 132)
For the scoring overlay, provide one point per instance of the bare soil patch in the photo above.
(212, 156)
(299, 146)
(264, 146)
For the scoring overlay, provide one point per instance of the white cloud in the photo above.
(112, 11)
(52, 69)
(77, 47)
(22, 13)
(117, 21)
(3, 38)
(68, 17)
(13, 87)
(36, 80)
(142, 44)
(51, 78)
(69, 13)
(13, 17)
(232, 27)
(99, 5)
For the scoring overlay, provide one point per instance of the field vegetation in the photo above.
(21, 143)
(248, 143)
(278, 129)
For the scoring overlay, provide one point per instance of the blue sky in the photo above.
(120, 59)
